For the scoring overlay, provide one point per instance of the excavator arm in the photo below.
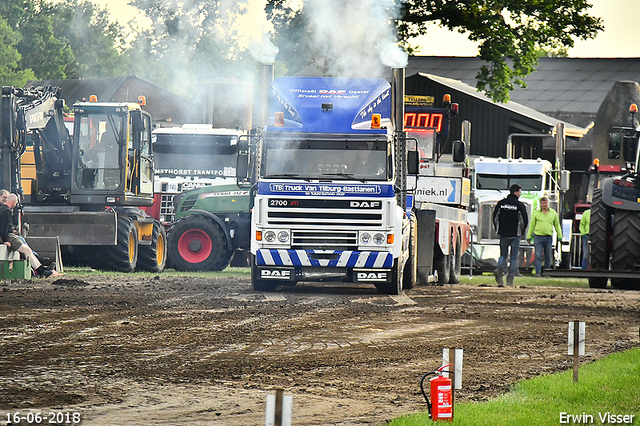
(33, 117)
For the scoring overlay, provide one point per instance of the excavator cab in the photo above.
(112, 156)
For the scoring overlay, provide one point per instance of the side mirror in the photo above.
(615, 141)
(565, 176)
(243, 163)
(629, 147)
(413, 162)
(459, 151)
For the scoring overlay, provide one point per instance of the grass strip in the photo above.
(605, 388)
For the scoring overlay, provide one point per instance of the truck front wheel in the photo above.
(442, 265)
(197, 244)
(456, 262)
(411, 267)
(259, 284)
(395, 286)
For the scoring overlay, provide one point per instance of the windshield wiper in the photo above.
(346, 175)
(286, 175)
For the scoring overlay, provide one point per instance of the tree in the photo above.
(47, 55)
(98, 45)
(10, 75)
(509, 32)
(193, 42)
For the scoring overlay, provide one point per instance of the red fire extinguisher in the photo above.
(441, 405)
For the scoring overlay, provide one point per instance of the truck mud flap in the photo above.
(426, 243)
(74, 228)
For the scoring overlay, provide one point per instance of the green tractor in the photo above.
(211, 230)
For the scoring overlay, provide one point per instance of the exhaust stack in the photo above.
(267, 79)
(397, 93)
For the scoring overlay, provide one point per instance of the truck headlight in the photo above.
(269, 236)
(379, 239)
(365, 238)
(283, 236)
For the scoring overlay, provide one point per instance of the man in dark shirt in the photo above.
(14, 243)
(511, 220)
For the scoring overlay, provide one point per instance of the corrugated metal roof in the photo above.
(163, 105)
(511, 106)
(557, 86)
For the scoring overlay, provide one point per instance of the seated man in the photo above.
(14, 243)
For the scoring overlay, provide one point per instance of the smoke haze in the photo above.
(357, 37)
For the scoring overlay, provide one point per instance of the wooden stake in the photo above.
(576, 349)
(452, 367)
(278, 419)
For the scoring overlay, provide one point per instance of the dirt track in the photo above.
(166, 350)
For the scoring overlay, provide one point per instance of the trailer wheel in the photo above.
(443, 267)
(258, 284)
(410, 273)
(598, 229)
(456, 263)
(197, 244)
(153, 258)
(395, 286)
(123, 257)
(626, 247)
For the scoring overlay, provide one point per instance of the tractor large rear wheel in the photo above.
(626, 247)
(153, 258)
(195, 243)
(123, 257)
(598, 229)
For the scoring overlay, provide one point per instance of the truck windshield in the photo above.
(195, 155)
(99, 146)
(326, 159)
(503, 182)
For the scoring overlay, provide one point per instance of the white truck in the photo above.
(491, 179)
(333, 196)
(190, 157)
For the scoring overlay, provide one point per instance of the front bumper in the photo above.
(319, 265)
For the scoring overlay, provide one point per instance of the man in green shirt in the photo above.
(543, 222)
(585, 221)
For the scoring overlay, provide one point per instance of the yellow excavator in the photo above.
(86, 191)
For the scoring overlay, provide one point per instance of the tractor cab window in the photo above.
(98, 151)
(146, 158)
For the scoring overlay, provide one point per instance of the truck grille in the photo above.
(166, 208)
(487, 231)
(485, 221)
(322, 225)
(324, 240)
(324, 219)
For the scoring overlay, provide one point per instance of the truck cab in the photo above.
(190, 157)
(325, 206)
(491, 179)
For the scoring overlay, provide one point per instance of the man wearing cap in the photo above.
(511, 220)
